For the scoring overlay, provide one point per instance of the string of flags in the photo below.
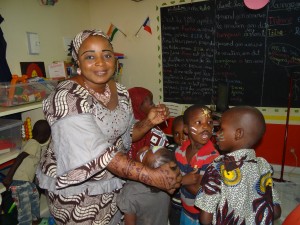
(112, 30)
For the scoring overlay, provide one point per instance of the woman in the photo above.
(142, 103)
(92, 125)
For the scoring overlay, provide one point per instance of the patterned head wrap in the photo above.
(137, 96)
(80, 37)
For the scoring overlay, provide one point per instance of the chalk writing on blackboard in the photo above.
(205, 43)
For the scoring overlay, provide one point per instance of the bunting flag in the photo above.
(146, 25)
(112, 31)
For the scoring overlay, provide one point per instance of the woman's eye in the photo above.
(108, 56)
(89, 57)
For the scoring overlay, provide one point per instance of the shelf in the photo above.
(9, 156)
(4, 111)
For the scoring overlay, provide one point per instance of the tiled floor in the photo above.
(288, 190)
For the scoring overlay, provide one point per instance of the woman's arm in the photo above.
(167, 177)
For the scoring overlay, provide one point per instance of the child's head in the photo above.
(198, 124)
(177, 130)
(241, 127)
(141, 100)
(155, 156)
(41, 131)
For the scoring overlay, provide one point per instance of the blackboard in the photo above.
(253, 51)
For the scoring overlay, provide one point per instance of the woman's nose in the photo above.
(99, 61)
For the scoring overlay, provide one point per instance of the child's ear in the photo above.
(239, 134)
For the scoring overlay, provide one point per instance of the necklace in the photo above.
(104, 98)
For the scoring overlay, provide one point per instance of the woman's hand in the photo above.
(158, 114)
(166, 177)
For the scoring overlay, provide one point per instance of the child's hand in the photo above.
(158, 114)
(191, 178)
(6, 182)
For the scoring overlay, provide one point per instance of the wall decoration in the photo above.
(33, 69)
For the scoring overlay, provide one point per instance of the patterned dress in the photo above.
(238, 189)
(85, 137)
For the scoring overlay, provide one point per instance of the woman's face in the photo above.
(147, 104)
(96, 60)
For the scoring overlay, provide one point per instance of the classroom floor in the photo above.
(289, 193)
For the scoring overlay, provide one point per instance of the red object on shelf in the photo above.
(4, 144)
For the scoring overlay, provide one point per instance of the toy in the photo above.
(22, 90)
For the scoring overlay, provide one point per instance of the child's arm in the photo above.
(129, 218)
(277, 211)
(205, 217)
(191, 181)
(8, 179)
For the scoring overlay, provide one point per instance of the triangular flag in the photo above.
(146, 25)
(112, 31)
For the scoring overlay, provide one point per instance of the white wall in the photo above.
(141, 66)
(68, 17)
(52, 23)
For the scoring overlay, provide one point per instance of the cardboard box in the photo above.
(57, 70)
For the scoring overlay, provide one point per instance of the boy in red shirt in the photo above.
(193, 157)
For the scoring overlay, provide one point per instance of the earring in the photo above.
(78, 71)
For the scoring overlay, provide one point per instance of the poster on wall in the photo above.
(33, 69)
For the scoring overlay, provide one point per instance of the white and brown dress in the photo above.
(85, 137)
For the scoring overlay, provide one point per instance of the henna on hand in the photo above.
(167, 177)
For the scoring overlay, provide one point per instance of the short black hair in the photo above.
(191, 109)
(41, 131)
(176, 120)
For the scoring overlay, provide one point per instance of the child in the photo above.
(238, 186)
(20, 177)
(142, 102)
(193, 157)
(177, 132)
(179, 137)
(142, 204)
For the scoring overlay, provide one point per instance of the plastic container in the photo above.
(10, 135)
(23, 93)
